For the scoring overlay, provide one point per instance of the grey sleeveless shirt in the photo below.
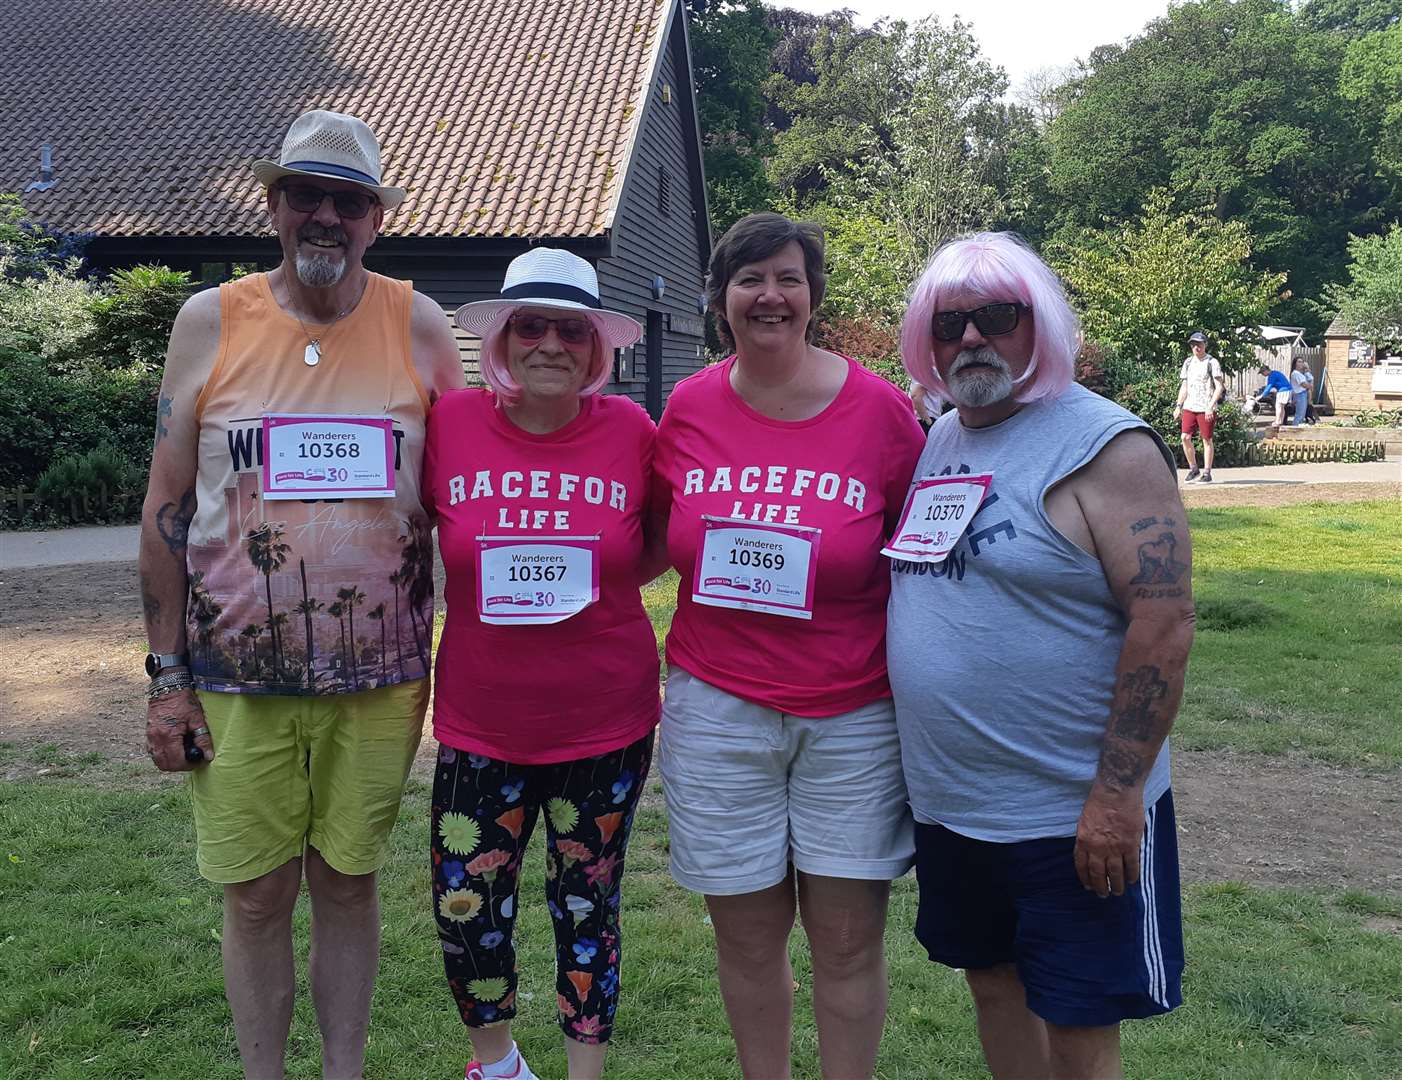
(1002, 659)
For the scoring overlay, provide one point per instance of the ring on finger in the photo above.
(201, 730)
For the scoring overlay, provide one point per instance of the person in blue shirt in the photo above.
(1277, 384)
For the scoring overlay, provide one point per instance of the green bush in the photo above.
(101, 485)
(46, 413)
(1378, 418)
(133, 315)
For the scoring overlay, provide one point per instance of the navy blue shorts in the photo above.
(1086, 962)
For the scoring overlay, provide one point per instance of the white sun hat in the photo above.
(549, 277)
(332, 146)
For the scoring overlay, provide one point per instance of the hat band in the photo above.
(550, 290)
(328, 169)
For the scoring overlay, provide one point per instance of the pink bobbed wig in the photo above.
(995, 267)
(497, 374)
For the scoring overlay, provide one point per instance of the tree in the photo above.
(1234, 105)
(730, 44)
(1370, 302)
(267, 552)
(1372, 80)
(1350, 16)
(1046, 91)
(1142, 288)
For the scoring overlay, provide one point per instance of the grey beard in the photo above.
(319, 271)
(976, 389)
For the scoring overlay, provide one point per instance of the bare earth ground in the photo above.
(72, 644)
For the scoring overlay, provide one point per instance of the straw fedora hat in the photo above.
(330, 146)
(549, 277)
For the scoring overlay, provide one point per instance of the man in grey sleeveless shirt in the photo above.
(1037, 668)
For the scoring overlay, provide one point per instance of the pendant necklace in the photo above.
(311, 355)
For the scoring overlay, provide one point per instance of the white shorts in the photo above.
(750, 789)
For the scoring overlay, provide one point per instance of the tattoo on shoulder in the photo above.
(163, 410)
(1139, 691)
(173, 522)
(1157, 564)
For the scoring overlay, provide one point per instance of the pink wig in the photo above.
(994, 267)
(497, 375)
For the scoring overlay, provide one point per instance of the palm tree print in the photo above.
(350, 597)
(267, 552)
(378, 614)
(416, 570)
(307, 608)
(397, 579)
(252, 632)
(337, 611)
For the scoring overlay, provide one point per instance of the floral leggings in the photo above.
(484, 811)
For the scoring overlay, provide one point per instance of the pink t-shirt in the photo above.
(844, 471)
(537, 694)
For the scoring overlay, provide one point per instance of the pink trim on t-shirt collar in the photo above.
(754, 414)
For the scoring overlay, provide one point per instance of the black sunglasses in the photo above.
(307, 199)
(991, 320)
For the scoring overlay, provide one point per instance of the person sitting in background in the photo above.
(1277, 389)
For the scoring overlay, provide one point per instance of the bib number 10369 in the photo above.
(752, 566)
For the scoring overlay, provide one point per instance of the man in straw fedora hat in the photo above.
(284, 502)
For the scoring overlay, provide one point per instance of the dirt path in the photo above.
(73, 643)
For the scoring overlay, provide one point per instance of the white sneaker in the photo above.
(477, 1071)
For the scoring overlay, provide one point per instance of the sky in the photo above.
(1019, 35)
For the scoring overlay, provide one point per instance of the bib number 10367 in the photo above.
(522, 581)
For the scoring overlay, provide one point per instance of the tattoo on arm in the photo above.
(1120, 767)
(1139, 691)
(163, 410)
(150, 604)
(1158, 565)
(173, 522)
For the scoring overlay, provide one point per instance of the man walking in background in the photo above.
(1200, 388)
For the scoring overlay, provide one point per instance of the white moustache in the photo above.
(984, 354)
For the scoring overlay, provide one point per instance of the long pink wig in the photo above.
(497, 374)
(994, 266)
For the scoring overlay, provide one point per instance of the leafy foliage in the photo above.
(1144, 287)
(1233, 105)
(1371, 80)
(95, 486)
(1371, 300)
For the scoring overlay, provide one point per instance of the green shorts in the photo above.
(292, 771)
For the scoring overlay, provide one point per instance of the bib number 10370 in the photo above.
(753, 566)
(937, 512)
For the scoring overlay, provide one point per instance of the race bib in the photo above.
(756, 566)
(319, 457)
(525, 580)
(937, 511)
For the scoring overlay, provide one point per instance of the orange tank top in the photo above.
(315, 596)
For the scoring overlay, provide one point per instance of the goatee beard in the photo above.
(979, 387)
(319, 271)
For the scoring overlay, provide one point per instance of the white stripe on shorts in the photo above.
(1153, 948)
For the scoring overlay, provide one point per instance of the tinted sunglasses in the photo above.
(307, 199)
(572, 331)
(991, 320)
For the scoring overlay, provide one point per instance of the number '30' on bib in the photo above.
(756, 566)
(937, 512)
(535, 580)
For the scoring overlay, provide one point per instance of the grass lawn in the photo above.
(1299, 634)
(109, 940)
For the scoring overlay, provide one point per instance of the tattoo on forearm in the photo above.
(1139, 691)
(163, 410)
(1120, 767)
(173, 522)
(150, 605)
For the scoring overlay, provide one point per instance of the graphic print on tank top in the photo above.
(318, 596)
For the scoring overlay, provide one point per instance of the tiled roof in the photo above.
(501, 117)
(1338, 328)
